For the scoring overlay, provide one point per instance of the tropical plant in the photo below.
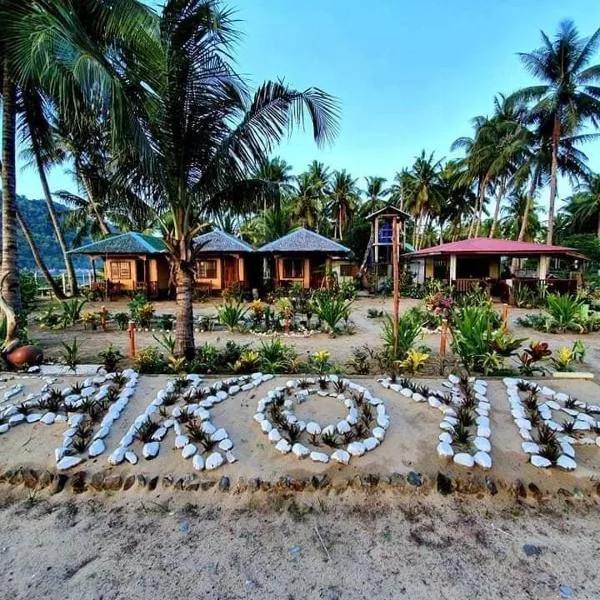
(71, 311)
(409, 327)
(149, 360)
(111, 357)
(275, 356)
(332, 310)
(70, 354)
(415, 360)
(565, 311)
(472, 329)
(122, 320)
(248, 361)
(320, 361)
(563, 359)
(231, 314)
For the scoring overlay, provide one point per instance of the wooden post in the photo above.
(505, 317)
(64, 284)
(395, 260)
(444, 338)
(131, 333)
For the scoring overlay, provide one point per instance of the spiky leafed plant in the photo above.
(146, 430)
(209, 133)
(567, 96)
(198, 435)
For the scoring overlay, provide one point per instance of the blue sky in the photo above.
(409, 74)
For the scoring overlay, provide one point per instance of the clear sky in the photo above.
(409, 74)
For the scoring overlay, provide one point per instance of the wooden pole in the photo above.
(131, 333)
(505, 317)
(396, 274)
(444, 338)
(64, 284)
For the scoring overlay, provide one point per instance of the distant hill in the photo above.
(36, 215)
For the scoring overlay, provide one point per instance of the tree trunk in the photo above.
(10, 269)
(39, 261)
(553, 179)
(184, 329)
(99, 217)
(496, 211)
(528, 203)
(53, 218)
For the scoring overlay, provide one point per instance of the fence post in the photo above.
(505, 317)
(131, 332)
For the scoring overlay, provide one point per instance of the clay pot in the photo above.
(24, 356)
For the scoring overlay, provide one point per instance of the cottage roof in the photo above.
(221, 241)
(124, 243)
(302, 240)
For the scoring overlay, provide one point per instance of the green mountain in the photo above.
(35, 214)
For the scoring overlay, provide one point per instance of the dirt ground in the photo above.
(367, 331)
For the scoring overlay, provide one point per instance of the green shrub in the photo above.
(71, 311)
(141, 310)
(166, 322)
(231, 315)
(149, 360)
(565, 311)
(29, 287)
(276, 357)
(206, 359)
(332, 310)
(110, 358)
(409, 327)
(122, 320)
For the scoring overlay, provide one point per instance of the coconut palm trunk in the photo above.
(10, 270)
(54, 219)
(553, 179)
(37, 257)
(184, 330)
(499, 198)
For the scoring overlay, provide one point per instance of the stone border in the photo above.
(301, 389)
(188, 388)
(581, 420)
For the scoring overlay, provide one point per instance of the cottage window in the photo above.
(207, 269)
(293, 268)
(120, 270)
(347, 270)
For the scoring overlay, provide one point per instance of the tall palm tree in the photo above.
(568, 95)
(584, 206)
(375, 193)
(307, 201)
(276, 173)
(209, 133)
(343, 200)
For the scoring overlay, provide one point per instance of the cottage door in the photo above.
(229, 271)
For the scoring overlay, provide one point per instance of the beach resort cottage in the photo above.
(222, 261)
(302, 257)
(498, 265)
(133, 262)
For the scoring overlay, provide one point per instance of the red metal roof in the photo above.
(494, 246)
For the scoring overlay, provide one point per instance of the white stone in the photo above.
(181, 441)
(482, 444)
(464, 459)
(219, 435)
(453, 379)
(59, 453)
(159, 434)
(483, 459)
(379, 433)
(370, 443)
(96, 448)
(150, 450)
(567, 448)
(4, 427)
(313, 428)
(406, 392)
(483, 432)
(341, 456)
(221, 395)
(266, 426)
(16, 419)
(580, 425)
(300, 450)
(230, 457)
(48, 418)
(446, 426)
(283, 446)
(418, 397)
(530, 447)
(523, 424)
(319, 457)
(189, 450)
(356, 448)
(117, 457)
(68, 462)
(127, 439)
(274, 435)
(198, 462)
(565, 462)
(343, 427)
(225, 444)
(540, 461)
(525, 434)
(445, 450)
(560, 397)
(445, 437)
(131, 457)
(208, 427)
(214, 461)
(34, 417)
(434, 402)
(482, 421)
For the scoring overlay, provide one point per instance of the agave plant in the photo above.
(231, 314)
(409, 326)
(566, 312)
(332, 310)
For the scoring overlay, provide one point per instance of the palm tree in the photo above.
(568, 95)
(343, 200)
(584, 205)
(209, 133)
(276, 173)
(307, 202)
(375, 193)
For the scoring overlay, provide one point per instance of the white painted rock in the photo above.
(567, 448)
(566, 462)
(266, 426)
(48, 418)
(181, 441)
(406, 392)
(383, 421)
(198, 462)
(356, 448)
(150, 450)
(445, 437)
(208, 427)
(526, 435)
(117, 457)
(96, 448)
(68, 462)
(483, 459)
(230, 457)
(159, 434)
(313, 428)
(341, 456)
(34, 417)
(530, 447)
(540, 461)
(219, 435)
(214, 461)
(4, 427)
(343, 427)
(319, 457)
(482, 444)
(418, 397)
(370, 443)
(444, 450)
(283, 446)
(189, 450)
(225, 444)
(131, 457)
(300, 451)
(274, 436)
(434, 402)
(379, 433)
(464, 459)
(59, 453)
(16, 419)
